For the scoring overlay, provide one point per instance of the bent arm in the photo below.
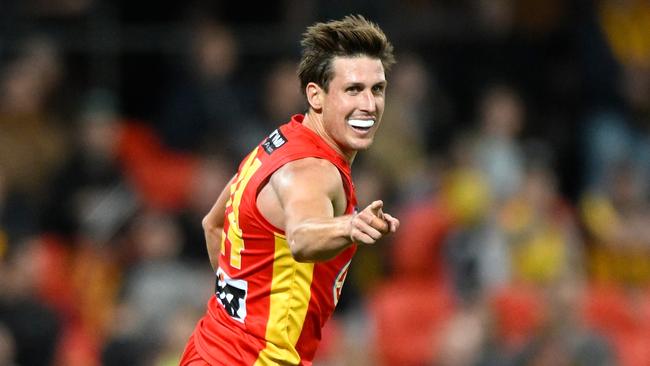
(313, 200)
(311, 194)
(320, 239)
(213, 226)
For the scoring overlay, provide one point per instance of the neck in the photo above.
(314, 121)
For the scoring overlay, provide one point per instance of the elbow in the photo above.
(207, 223)
(299, 253)
(300, 258)
(210, 228)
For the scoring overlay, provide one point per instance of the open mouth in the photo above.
(361, 124)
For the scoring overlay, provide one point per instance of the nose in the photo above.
(367, 102)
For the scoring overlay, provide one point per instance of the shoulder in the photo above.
(311, 164)
(308, 172)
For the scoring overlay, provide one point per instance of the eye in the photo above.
(353, 89)
(378, 89)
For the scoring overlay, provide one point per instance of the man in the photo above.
(282, 234)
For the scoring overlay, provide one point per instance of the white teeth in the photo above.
(361, 123)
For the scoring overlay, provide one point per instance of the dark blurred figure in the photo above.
(17, 217)
(32, 143)
(618, 129)
(7, 347)
(204, 109)
(212, 173)
(33, 326)
(158, 288)
(278, 98)
(411, 123)
(615, 201)
(499, 152)
(616, 219)
(89, 193)
(281, 96)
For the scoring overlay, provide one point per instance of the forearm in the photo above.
(213, 234)
(317, 240)
(213, 226)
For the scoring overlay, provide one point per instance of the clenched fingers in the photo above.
(371, 224)
(375, 222)
(362, 227)
(393, 223)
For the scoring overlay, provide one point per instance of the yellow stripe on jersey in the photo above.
(236, 191)
(290, 295)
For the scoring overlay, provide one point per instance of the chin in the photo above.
(361, 145)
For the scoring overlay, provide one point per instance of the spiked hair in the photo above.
(351, 36)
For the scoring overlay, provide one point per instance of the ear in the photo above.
(315, 96)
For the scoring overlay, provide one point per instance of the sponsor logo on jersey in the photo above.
(274, 141)
(231, 293)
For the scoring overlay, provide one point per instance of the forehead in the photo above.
(359, 69)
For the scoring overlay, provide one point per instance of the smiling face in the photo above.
(351, 109)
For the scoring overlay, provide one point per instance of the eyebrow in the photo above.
(359, 84)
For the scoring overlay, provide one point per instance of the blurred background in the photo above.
(515, 149)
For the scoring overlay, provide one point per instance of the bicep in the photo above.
(307, 189)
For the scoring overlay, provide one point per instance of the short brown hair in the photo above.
(351, 36)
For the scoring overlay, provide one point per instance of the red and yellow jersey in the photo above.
(268, 308)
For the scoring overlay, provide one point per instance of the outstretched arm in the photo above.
(213, 226)
(313, 199)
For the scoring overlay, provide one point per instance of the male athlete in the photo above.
(283, 232)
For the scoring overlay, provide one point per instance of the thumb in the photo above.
(375, 208)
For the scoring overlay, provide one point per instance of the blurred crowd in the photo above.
(515, 149)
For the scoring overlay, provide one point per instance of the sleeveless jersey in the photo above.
(268, 308)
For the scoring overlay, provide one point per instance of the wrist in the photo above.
(350, 228)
